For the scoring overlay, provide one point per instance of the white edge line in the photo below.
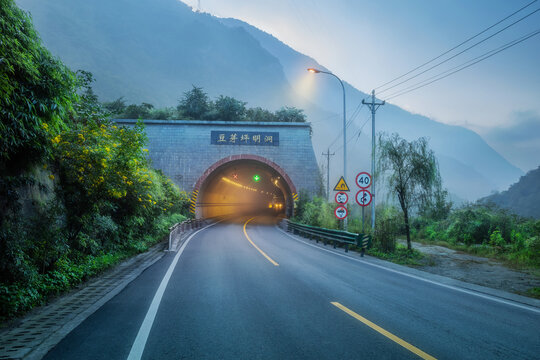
(139, 344)
(488, 297)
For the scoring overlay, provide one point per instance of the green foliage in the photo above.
(522, 198)
(290, 114)
(107, 203)
(36, 92)
(259, 114)
(387, 225)
(412, 174)
(116, 107)
(227, 108)
(194, 104)
(486, 230)
(401, 255)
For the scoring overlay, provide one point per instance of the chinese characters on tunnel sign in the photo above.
(244, 138)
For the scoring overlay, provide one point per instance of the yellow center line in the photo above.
(255, 246)
(389, 335)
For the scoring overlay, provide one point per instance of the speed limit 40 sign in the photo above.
(363, 180)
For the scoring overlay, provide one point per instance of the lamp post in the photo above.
(316, 71)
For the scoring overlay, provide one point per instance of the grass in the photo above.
(401, 255)
(534, 292)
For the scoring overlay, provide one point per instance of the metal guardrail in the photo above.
(178, 229)
(324, 235)
(363, 241)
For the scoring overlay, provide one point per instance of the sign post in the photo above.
(363, 197)
(341, 187)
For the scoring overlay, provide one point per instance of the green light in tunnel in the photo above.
(256, 178)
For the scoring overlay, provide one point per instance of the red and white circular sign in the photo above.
(341, 212)
(342, 198)
(363, 180)
(363, 198)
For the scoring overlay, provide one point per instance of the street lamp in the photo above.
(316, 71)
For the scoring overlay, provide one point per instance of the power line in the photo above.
(349, 122)
(503, 47)
(459, 53)
(455, 47)
(463, 66)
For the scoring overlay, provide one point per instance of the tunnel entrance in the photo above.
(244, 185)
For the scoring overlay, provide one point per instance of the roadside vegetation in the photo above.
(196, 105)
(417, 209)
(77, 192)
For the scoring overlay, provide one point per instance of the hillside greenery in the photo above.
(196, 105)
(480, 228)
(77, 192)
(522, 198)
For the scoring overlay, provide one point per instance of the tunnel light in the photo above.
(256, 178)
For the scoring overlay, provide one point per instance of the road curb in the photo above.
(500, 294)
(44, 327)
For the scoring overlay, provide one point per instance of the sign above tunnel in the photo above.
(244, 138)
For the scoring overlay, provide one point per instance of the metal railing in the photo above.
(325, 235)
(178, 229)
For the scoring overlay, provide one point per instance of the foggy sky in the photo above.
(368, 43)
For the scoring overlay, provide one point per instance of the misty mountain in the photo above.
(155, 50)
(522, 198)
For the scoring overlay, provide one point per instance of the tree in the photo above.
(229, 109)
(411, 171)
(36, 91)
(87, 107)
(194, 104)
(117, 106)
(260, 114)
(290, 114)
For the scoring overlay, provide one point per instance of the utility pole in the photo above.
(328, 172)
(373, 106)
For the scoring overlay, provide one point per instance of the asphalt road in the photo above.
(268, 296)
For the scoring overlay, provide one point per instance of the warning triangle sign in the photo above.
(341, 185)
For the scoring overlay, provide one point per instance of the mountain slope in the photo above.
(154, 50)
(469, 166)
(522, 198)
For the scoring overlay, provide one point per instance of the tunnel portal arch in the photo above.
(227, 187)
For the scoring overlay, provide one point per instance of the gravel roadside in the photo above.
(475, 269)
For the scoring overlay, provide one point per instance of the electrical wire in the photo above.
(348, 123)
(457, 46)
(463, 66)
(459, 53)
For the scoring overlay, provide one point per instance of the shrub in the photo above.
(387, 225)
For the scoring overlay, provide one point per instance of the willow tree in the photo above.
(411, 172)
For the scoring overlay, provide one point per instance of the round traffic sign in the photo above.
(363, 197)
(363, 180)
(341, 212)
(342, 198)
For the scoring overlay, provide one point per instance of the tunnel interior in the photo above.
(244, 187)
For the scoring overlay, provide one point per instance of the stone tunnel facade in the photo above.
(187, 151)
